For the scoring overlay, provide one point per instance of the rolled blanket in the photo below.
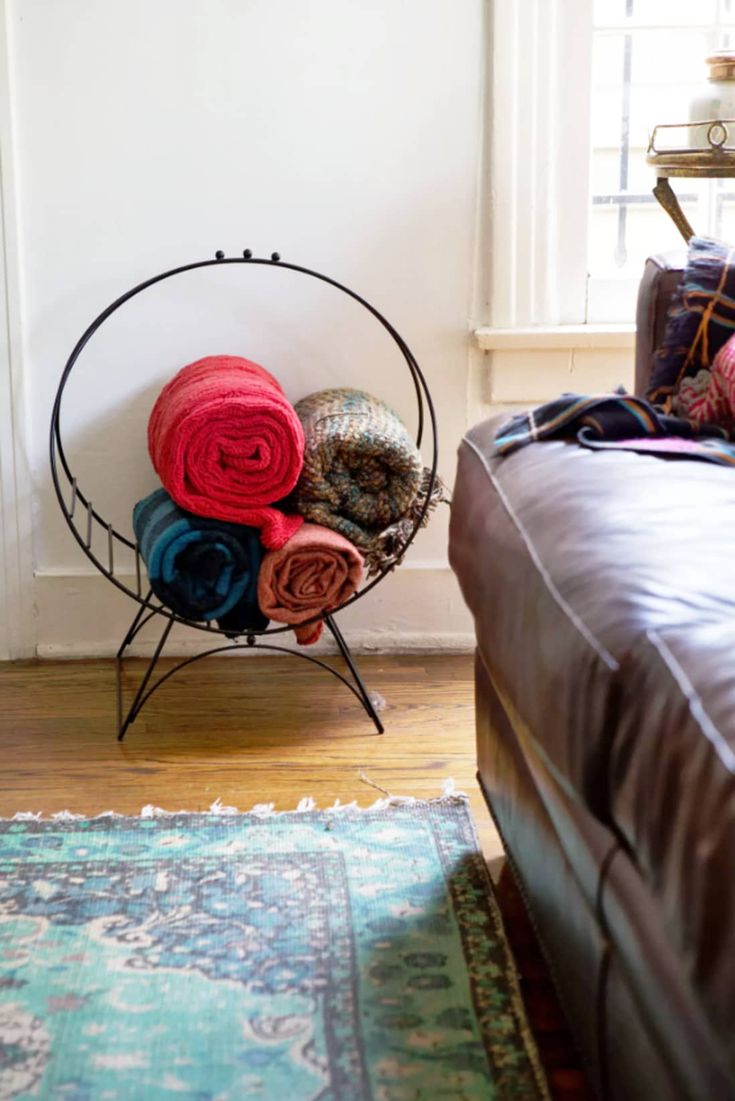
(362, 471)
(387, 550)
(315, 572)
(226, 443)
(201, 569)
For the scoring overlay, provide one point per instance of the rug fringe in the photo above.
(307, 805)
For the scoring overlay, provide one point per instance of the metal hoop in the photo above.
(85, 521)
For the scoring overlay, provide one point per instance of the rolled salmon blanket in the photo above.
(362, 471)
(201, 569)
(226, 443)
(315, 572)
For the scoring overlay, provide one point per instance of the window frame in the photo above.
(540, 146)
(539, 162)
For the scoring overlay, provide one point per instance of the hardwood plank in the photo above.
(567, 1079)
(245, 730)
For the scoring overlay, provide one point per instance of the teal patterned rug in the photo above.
(342, 955)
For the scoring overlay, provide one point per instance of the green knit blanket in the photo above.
(362, 471)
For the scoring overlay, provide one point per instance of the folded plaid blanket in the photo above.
(690, 411)
(315, 572)
(617, 421)
(226, 443)
(201, 569)
(362, 471)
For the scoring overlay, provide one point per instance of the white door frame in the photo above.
(17, 626)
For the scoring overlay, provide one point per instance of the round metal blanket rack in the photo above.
(106, 547)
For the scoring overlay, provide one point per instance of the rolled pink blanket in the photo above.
(710, 394)
(226, 443)
(316, 571)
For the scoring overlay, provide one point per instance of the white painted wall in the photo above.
(345, 134)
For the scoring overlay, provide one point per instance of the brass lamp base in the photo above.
(716, 161)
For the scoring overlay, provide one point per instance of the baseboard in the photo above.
(367, 643)
(79, 614)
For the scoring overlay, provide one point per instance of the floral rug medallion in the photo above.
(343, 955)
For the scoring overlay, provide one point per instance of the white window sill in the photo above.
(540, 337)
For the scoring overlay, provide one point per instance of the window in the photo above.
(577, 86)
(648, 58)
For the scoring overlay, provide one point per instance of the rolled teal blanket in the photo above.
(201, 569)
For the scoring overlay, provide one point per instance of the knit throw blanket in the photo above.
(387, 549)
(201, 569)
(316, 572)
(616, 421)
(226, 443)
(362, 471)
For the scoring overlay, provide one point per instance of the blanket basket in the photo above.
(106, 547)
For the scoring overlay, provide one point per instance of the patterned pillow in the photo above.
(701, 319)
(710, 395)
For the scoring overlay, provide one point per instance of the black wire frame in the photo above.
(78, 508)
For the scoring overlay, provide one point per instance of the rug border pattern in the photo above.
(479, 951)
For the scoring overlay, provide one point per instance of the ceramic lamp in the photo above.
(713, 101)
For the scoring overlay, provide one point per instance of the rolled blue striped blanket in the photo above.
(201, 569)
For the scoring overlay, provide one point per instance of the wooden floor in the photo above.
(254, 730)
(244, 730)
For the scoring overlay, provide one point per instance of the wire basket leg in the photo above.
(132, 632)
(122, 725)
(367, 701)
(134, 626)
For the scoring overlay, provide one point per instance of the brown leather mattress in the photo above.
(603, 589)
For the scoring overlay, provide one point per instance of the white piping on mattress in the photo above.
(568, 611)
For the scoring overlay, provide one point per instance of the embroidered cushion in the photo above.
(710, 395)
(700, 320)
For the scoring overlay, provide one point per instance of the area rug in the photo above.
(339, 955)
